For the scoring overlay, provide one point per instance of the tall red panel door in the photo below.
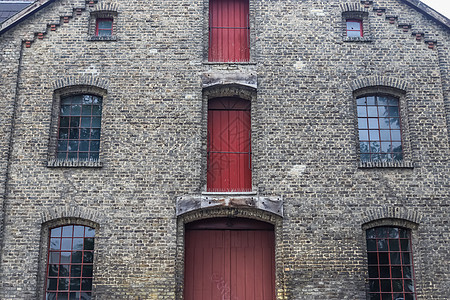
(229, 31)
(223, 264)
(229, 150)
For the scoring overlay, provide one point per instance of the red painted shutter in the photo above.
(229, 31)
(229, 264)
(229, 151)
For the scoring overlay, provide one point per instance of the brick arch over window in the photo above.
(389, 215)
(373, 81)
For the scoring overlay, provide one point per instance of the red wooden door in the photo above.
(229, 264)
(229, 31)
(229, 150)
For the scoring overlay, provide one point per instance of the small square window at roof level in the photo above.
(104, 27)
(354, 28)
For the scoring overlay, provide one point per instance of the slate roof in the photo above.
(10, 8)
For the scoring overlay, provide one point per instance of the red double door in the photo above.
(224, 262)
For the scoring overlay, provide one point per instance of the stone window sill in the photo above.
(103, 38)
(56, 163)
(385, 164)
(358, 39)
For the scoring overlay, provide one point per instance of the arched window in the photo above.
(390, 263)
(70, 260)
(379, 127)
(228, 148)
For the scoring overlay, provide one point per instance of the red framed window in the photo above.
(391, 273)
(228, 149)
(354, 28)
(70, 263)
(104, 27)
(229, 30)
(79, 127)
(380, 137)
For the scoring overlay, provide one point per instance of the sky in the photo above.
(442, 6)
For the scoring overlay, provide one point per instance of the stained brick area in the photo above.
(302, 79)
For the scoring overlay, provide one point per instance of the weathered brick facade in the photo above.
(302, 80)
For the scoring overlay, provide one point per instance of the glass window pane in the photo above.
(397, 285)
(84, 145)
(87, 110)
(104, 24)
(87, 271)
(386, 296)
(75, 271)
(362, 112)
(372, 258)
(53, 270)
(51, 296)
(86, 284)
(95, 134)
(63, 133)
(371, 100)
(55, 232)
(78, 231)
(74, 121)
(86, 296)
(52, 284)
(66, 244)
(371, 245)
(65, 257)
(77, 244)
(362, 123)
(85, 121)
(363, 135)
(385, 135)
(96, 122)
(63, 284)
(373, 272)
(374, 135)
(394, 245)
(63, 296)
(397, 146)
(384, 123)
(65, 110)
(406, 258)
(77, 257)
(75, 284)
(385, 285)
(383, 111)
(84, 133)
(373, 123)
(54, 257)
(89, 244)
(394, 123)
(374, 296)
(353, 25)
(95, 145)
(96, 110)
(55, 243)
(74, 134)
(395, 258)
(64, 270)
(364, 147)
(409, 287)
(372, 111)
(393, 111)
(382, 100)
(88, 257)
(75, 110)
(93, 155)
(396, 272)
(90, 232)
(73, 146)
(396, 136)
(361, 101)
(353, 33)
(87, 99)
(386, 147)
(385, 272)
(407, 272)
(374, 147)
(374, 285)
(64, 122)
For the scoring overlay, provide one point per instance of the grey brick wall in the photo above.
(153, 142)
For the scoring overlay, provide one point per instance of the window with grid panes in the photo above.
(390, 263)
(70, 263)
(354, 28)
(79, 127)
(104, 27)
(379, 125)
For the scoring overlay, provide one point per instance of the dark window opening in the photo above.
(79, 128)
(229, 30)
(380, 137)
(228, 149)
(389, 255)
(104, 27)
(354, 28)
(70, 263)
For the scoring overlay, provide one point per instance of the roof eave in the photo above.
(23, 14)
(428, 11)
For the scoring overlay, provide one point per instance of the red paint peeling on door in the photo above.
(235, 264)
(229, 150)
